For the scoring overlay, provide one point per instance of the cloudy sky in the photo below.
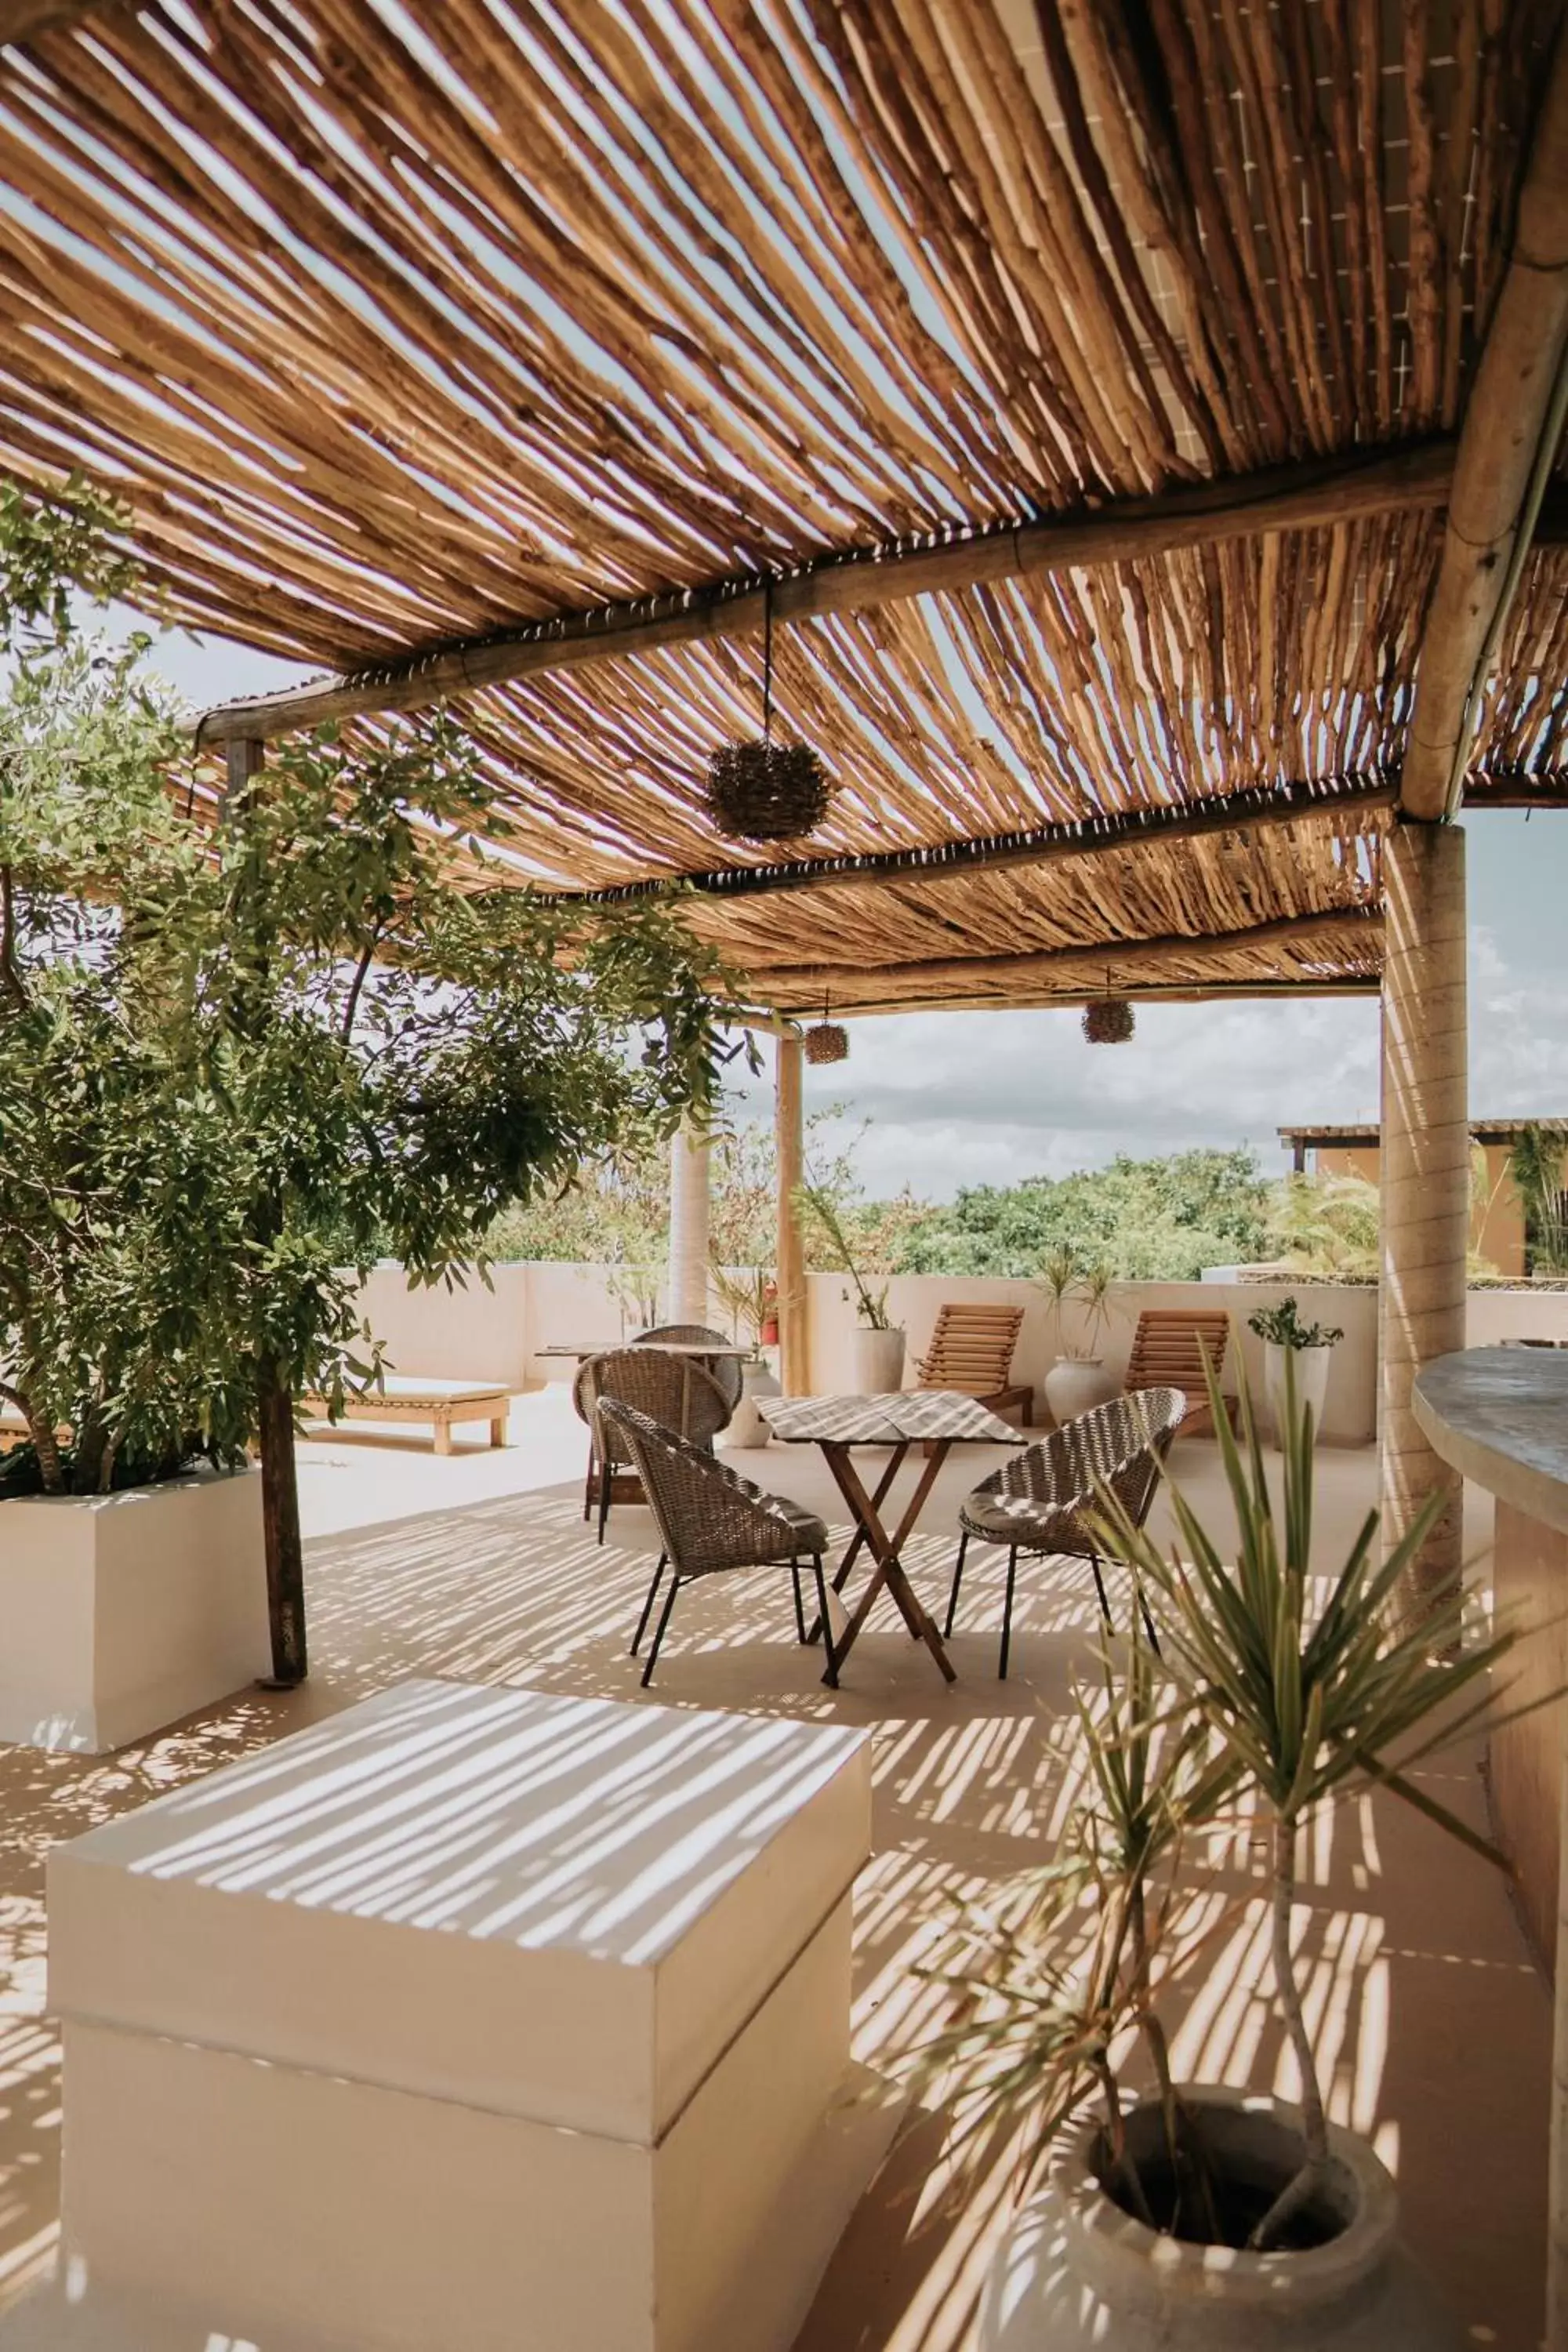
(969, 1097)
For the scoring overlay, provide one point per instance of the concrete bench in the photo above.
(468, 2017)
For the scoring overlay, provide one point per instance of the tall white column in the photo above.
(1426, 1172)
(789, 1133)
(690, 1152)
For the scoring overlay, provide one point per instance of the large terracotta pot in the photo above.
(1078, 2272)
(1312, 1367)
(877, 1362)
(1076, 1384)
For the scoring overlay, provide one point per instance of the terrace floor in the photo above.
(1431, 2018)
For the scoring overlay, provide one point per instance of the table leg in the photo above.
(841, 1573)
(889, 1570)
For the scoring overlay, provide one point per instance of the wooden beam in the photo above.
(1508, 412)
(1091, 969)
(23, 20)
(1068, 999)
(1041, 844)
(1286, 498)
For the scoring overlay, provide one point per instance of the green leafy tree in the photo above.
(230, 1061)
(1144, 1220)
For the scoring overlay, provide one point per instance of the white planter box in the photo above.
(123, 1612)
(516, 2020)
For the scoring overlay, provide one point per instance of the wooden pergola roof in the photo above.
(1088, 382)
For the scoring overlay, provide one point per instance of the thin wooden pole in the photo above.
(1425, 1179)
(795, 1377)
(274, 1405)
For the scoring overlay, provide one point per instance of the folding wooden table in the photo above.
(936, 1419)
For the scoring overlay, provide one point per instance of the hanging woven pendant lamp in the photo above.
(767, 790)
(1108, 1020)
(828, 1040)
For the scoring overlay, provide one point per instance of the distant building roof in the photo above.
(1483, 1131)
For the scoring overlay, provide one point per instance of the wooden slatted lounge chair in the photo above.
(1169, 1351)
(971, 1352)
(1041, 1501)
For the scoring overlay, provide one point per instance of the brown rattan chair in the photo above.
(710, 1519)
(725, 1370)
(1040, 1500)
(672, 1390)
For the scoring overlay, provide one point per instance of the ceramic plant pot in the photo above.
(1078, 2271)
(1076, 1384)
(877, 1362)
(745, 1425)
(1312, 1367)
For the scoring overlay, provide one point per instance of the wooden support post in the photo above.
(1426, 1178)
(687, 1290)
(790, 1133)
(274, 1404)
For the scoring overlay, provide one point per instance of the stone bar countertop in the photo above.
(1499, 1415)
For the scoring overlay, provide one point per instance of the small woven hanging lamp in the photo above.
(767, 790)
(1108, 1020)
(827, 1041)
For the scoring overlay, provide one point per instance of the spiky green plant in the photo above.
(1308, 1687)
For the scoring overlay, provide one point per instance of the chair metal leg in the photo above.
(831, 1677)
(606, 1477)
(1100, 1586)
(1007, 1611)
(663, 1621)
(588, 1485)
(799, 1605)
(957, 1580)
(647, 1604)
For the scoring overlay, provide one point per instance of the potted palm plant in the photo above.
(1294, 1352)
(1079, 1380)
(747, 1294)
(876, 1357)
(1192, 2216)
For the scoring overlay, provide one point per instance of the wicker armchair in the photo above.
(708, 1518)
(672, 1390)
(725, 1370)
(1040, 1500)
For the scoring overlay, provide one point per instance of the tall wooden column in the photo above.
(689, 1153)
(794, 1371)
(274, 1404)
(1425, 1175)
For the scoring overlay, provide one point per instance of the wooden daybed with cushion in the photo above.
(445, 1404)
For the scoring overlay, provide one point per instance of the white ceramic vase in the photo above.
(877, 1362)
(1076, 1384)
(1076, 2270)
(1312, 1367)
(745, 1425)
